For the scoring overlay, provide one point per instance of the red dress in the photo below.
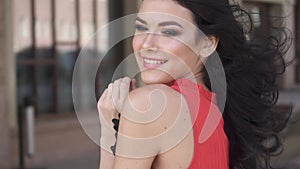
(211, 148)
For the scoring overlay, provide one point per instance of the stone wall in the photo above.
(298, 31)
(5, 54)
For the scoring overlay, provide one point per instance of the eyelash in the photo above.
(170, 32)
(167, 32)
(140, 28)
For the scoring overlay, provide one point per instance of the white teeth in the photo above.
(154, 61)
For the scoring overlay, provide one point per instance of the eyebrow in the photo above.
(166, 23)
(141, 20)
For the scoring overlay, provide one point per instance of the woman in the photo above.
(161, 123)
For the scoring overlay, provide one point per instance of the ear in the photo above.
(208, 45)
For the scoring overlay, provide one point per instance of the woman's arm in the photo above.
(106, 159)
(133, 149)
(109, 104)
(106, 113)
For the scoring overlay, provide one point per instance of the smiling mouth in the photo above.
(153, 63)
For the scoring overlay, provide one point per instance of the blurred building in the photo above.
(39, 43)
(267, 14)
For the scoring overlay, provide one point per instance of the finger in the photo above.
(110, 100)
(133, 84)
(100, 104)
(105, 98)
(124, 88)
(116, 91)
(102, 98)
(121, 89)
(109, 91)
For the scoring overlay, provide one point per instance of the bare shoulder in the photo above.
(143, 97)
(154, 87)
(151, 110)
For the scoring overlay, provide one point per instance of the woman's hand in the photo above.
(110, 105)
(111, 102)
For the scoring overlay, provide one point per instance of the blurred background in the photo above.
(39, 43)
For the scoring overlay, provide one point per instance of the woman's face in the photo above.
(165, 44)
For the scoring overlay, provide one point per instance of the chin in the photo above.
(155, 78)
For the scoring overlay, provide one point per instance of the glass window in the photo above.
(43, 24)
(102, 19)
(259, 13)
(22, 25)
(66, 58)
(87, 24)
(256, 16)
(65, 12)
(25, 83)
(45, 64)
(264, 17)
(46, 83)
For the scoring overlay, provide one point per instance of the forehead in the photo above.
(161, 9)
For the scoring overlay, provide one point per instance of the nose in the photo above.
(150, 42)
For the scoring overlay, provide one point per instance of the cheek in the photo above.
(177, 49)
(136, 43)
(186, 50)
(183, 56)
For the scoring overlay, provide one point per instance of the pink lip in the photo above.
(152, 65)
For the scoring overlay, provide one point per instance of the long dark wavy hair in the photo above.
(251, 68)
